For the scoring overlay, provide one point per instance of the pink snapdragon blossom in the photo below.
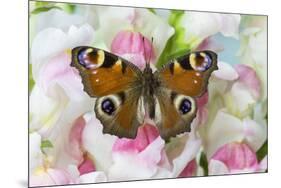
(133, 46)
(75, 148)
(51, 177)
(146, 135)
(248, 76)
(86, 166)
(202, 112)
(189, 170)
(143, 154)
(234, 157)
(210, 43)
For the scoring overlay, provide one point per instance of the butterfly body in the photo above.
(126, 95)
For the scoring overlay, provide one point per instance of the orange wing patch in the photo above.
(183, 81)
(104, 81)
(189, 74)
(102, 72)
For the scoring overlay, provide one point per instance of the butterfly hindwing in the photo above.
(177, 112)
(120, 113)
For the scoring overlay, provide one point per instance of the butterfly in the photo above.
(125, 94)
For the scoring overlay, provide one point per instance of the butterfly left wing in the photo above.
(116, 84)
(120, 114)
(182, 81)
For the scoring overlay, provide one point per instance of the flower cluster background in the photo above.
(66, 143)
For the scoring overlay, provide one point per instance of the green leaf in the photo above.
(262, 152)
(46, 144)
(42, 3)
(176, 45)
(43, 9)
(204, 163)
(69, 8)
(30, 78)
(151, 10)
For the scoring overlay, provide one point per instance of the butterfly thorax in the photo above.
(150, 85)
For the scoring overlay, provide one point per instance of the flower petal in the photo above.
(210, 44)
(93, 177)
(189, 170)
(255, 133)
(224, 124)
(101, 153)
(146, 135)
(54, 18)
(124, 18)
(236, 156)
(263, 164)
(239, 100)
(201, 25)
(86, 166)
(225, 72)
(74, 146)
(133, 166)
(180, 151)
(217, 168)
(51, 41)
(249, 77)
(51, 177)
(35, 154)
(156, 28)
(133, 44)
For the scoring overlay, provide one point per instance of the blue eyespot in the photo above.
(207, 62)
(90, 59)
(185, 106)
(108, 106)
(200, 62)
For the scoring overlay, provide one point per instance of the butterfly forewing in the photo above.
(103, 73)
(189, 74)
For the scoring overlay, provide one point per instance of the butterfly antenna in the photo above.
(151, 50)
(146, 62)
(150, 54)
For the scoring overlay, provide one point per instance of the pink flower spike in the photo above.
(210, 44)
(146, 135)
(202, 112)
(236, 156)
(75, 139)
(248, 76)
(86, 166)
(51, 177)
(203, 100)
(131, 46)
(189, 170)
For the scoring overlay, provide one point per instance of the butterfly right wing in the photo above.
(174, 113)
(182, 81)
